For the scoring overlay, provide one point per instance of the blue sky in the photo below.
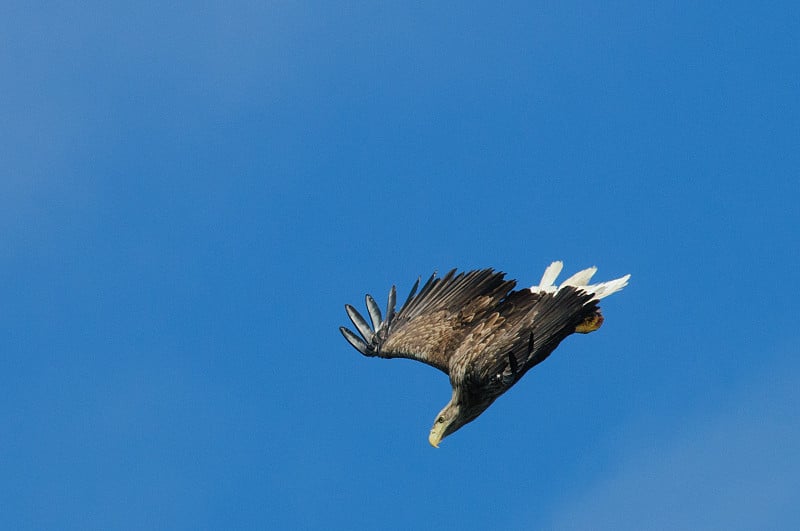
(189, 196)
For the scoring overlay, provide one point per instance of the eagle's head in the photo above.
(458, 412)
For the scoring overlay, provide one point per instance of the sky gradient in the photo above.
(190, 195)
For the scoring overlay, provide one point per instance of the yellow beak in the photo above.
(435, 437)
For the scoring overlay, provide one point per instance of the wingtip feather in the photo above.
(359, 322)
(391, 302)
(374, 312)
(354, 340)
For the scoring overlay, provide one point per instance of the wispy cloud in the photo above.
(735, 469)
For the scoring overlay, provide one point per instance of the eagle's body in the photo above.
(484, 335)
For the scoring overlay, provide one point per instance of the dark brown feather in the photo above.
(533, 326)
(433, 323)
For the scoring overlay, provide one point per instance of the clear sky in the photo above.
(190, 194)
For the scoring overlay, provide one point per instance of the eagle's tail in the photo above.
(580, 280)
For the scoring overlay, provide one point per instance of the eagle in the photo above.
(476, 328)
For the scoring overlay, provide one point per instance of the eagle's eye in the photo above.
(440, 420)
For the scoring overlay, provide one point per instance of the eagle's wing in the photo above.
(525, 330)
(530, 324)
(431, 324)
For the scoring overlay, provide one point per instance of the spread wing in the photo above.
(431, 325)
(527, 328)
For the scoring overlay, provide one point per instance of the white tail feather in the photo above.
(549, 277)
(604, 289)
(579, 280)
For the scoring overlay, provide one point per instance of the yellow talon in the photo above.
(590, 324)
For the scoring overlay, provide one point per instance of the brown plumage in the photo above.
(479, 331)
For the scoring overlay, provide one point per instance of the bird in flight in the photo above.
(479, 331)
